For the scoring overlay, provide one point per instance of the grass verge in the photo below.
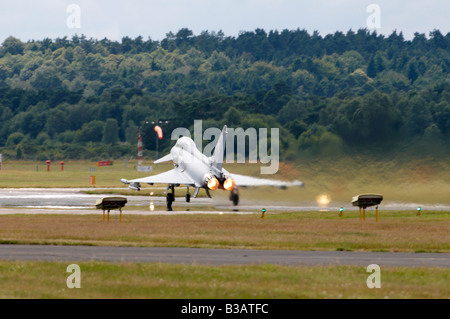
(396, 231)
(168, 281)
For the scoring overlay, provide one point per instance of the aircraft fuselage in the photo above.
(195, 164)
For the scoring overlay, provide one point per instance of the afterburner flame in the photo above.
(213, 184)
(229, 184)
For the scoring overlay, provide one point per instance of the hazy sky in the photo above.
(38, 19)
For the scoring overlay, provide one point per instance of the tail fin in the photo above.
(219, 151)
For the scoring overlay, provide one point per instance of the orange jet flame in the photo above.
(213, 184)
(229, 184)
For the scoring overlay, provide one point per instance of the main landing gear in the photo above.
(188, 196)
(234, 196)
(170, 197)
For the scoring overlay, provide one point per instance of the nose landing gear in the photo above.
(170, 197)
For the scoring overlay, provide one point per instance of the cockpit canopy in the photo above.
(186, 143)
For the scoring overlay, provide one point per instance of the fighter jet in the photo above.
(194, 169)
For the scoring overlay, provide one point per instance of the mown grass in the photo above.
(26, 174)
(169, 281)
(396, 231)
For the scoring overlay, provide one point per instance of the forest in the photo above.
(357, 92)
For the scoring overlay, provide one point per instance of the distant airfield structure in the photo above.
(111, 203)
(367, 200)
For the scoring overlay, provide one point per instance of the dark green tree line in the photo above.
(341, 92)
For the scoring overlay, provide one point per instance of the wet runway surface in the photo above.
(70, 198)
(218, 257)
(74, 200)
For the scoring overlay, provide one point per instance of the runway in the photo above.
(74, 201)
(219, 257)
(53, 211)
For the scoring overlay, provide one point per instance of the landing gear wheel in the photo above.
(169, 200)
(234, 197)
(188, 198)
